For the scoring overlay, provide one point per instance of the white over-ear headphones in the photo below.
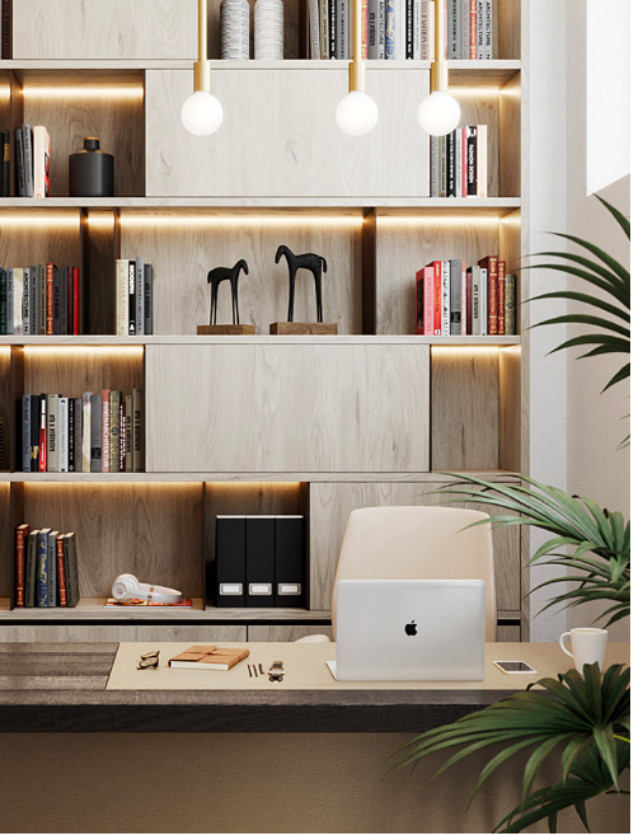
(126, 586)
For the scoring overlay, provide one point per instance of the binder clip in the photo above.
(276, 672)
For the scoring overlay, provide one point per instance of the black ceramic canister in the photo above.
(91, 171)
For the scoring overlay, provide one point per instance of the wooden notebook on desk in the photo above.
(208, 657)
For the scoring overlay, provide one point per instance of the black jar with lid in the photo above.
(91, 171)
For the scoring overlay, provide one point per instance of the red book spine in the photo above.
(49, 299)
(364, 29)
(61, 573)
(473, 29)
(501, 298)
(42, 456)
(438, 295)
(428, 290)
(21, 536)
(490, 264)
(123, 436)
(76, 301)
(105, 430)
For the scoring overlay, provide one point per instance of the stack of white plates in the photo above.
(268, 30)
(235, 29)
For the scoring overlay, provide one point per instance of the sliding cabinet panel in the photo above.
(287, 408)
(292, 146)
(184, 247)
(119, 29)
(330, 505)
(285, 634)
(508, 634)
(120, 633)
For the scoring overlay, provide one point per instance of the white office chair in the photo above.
(418, 543)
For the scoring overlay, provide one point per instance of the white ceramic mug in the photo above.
(588, 646)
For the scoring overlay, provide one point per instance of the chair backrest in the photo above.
(419, 543)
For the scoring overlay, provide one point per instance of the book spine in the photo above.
(324, 28)
(438, 286)
(27, 137)
(43, 448)
(71, 570)
(458, 162)
(31, 569)
(35, 420)
(342, 29)
(451, 164)
(62, 424)
(86, 423)
(96, 434)
(444, 297)
(41, 162)
(26, 302)
(72, 440)
(373, 29)
(63, 313)
(129, 443)
(381, 31)
(333, 47)
(148, 290)
(140, 296)
(473, 29)
(131, 277)
(435, 163)
(409, 29)
(138, 432)
(469, 301)
(454, 297)
(42, 304)
(428, 303)
(472, 180)
(464, 29)
(10, 301)
(41, 585)
(490, 264)
(34, 300)
(115, 429)
(484, 303)
(61, 573)
(424, 30)
(442, 166)
(364, 29)
(416, 29)
(18, 300)
(122, 459)
(481, 154)
(453, 30)
(314, 30)
(20, 185)
(501, 298)
(3, 302)
(390, 38)
(51, 567)
(26, 433)
(50, 300)
(488, 30)
(480, 30)
(511, 305)
(76, 300)
(475, 302)
(52, 432)
(21, 537)
(56, 305)
(464, 330)
(105, 430)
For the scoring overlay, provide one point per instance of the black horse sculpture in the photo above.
(314, 263)
(224, 273)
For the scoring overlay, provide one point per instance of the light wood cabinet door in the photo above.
(298, 408)
(279, 137)
(331, 503)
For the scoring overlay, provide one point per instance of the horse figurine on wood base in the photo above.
(224, 273)
(314, 263)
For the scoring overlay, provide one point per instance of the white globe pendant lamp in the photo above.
(439, 113)
(202, 113)
(357, 113)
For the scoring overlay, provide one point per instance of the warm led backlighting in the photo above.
(43, 218)
(473, 352)
(251, 220)
(102, 220)
(102, 92)
(72, 352)
(440, 219)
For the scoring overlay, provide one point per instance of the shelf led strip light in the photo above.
(202, 113)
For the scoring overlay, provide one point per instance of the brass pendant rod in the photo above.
(438, 78)
(357, 67)
(201, 67)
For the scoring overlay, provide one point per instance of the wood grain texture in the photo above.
(70, 372)
(285, 634)
(143, 29)
(268, 408)
(117, 122)
(508, 634)
(465, 408)
(55, 238)
(509, 149)
(6, 541)
(182, 255)
(99, 283)
(151, 530)
(509, 28)
(85, 632)
(301, 150)
(509, 439)
(330, 505)
(7, 406)
(405, 246)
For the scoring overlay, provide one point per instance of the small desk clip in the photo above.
(276, 672)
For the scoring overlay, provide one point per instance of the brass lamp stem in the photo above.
(201, 68)
(357, 67)
(438, 78)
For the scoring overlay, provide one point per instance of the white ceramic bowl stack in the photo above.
(268, 30)
(235, 29)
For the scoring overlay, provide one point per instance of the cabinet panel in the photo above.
(287, 408)
(330, 505)
(292, 145)
(149, 29)
(508, 634)
(285, 634)
(103, 633)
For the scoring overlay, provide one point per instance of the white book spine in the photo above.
(323, 8)
(314, 29)
(481, 174)
(487, 53)
(458, 160)
(480, 28)
(445, 293)
(399, 28)
(434, 161)
(86, 422)
(424, 23)
(122, 298)
(342, 29)
(373, 29)
(41, 160)
(140, 296)
(484, 302)
(62, 427)
(18, 300)
(463, 300)
(432, 30)
(475, 301)
(416, 30)
(9, 301)
(381, 30)
(464, 29)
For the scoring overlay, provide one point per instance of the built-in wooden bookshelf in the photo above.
(259, 424)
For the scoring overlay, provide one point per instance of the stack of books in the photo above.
(401, 29)
(95, 433)
(134, 297)
(453, 299)
(32, 161)
(458, 163)
(42, 300)
(46, 574)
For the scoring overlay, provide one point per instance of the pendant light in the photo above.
(202, 113)
(439, 113)
(357, 112)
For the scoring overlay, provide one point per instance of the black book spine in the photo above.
(148, 287)
(259, 561)
(57, 301)
(3, 302)
(289, 544)
(228, 577)
(34, 433)
(19, 163)
(409, 28)
(451, 164)
(332, 28)
(72, 441)
(472, 161)
(63, 304)
(7, 31)
(132, 297)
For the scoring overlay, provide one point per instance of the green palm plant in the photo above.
(585, 716)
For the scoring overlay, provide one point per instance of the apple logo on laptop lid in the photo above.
(410, 629)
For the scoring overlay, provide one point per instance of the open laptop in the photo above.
(410, 629)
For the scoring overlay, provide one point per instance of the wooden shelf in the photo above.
(140, 341)
(242, 205)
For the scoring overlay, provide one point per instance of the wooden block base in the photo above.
(225, 330)
(301, 328)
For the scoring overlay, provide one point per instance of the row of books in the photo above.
(134, 297)
(5, 163)
(260, 561)
(42, 300)
(46, 573)
(32, 161)
(401, 29)
(458, 163)
(453, 299)
(94, 433)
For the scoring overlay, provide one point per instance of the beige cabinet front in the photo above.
(295, 408)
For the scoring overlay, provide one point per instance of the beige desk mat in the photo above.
(305, 665)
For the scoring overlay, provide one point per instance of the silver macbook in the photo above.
(410, 629)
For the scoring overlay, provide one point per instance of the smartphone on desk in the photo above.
(514, 667)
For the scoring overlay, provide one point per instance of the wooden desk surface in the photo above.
(62, 687)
